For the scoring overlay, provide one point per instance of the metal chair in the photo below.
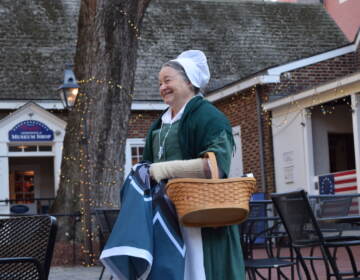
(331, 206)
(304, 232)
(105, 218)
(26, 247)
(260, 231)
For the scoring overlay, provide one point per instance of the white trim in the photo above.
(45, 104)
(355, 104)
(237, 87)
(58, 105)
(308, 151)
(312, 60)
(157, 217)
(126, 251)
(149, 106)
(32, 106)
(135, 186)
(131, 142)
(312, 92)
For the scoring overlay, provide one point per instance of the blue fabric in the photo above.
(146, 242)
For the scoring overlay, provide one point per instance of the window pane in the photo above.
(136, 153)
(45, 148)
(14, 149)
(30, 149)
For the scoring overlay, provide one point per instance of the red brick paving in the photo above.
(342, 260)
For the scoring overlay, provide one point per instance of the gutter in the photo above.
(348, 80)
(261, 141)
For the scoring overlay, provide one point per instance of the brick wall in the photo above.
(313, 75)
(241, 110)
(268, 145)
(140, 122)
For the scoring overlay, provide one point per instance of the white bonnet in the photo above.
(196, 68)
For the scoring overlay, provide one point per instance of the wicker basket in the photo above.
(211, 202)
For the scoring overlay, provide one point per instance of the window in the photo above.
(133, 153)
(136, 153)
(29, 148)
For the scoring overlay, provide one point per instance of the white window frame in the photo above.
(131, 142)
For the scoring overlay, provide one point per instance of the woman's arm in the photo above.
(193, 168)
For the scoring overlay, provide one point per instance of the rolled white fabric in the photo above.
(193, 168)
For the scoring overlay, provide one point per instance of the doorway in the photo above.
(341, 151)
(31, 184)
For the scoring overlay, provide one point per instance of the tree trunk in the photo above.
(94, 144)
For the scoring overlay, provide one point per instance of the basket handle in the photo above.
(212, 164)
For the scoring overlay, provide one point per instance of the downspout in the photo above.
(261, 140)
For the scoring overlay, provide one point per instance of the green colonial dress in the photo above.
(222, 253)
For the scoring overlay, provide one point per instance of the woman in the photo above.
(175, 144)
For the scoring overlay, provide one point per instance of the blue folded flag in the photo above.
(145, 242)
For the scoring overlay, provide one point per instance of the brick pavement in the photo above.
(76, 273)
(93, 273)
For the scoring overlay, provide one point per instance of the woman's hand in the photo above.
(193, 168)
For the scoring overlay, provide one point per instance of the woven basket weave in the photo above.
(211, 202)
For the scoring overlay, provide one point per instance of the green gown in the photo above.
(223, 259)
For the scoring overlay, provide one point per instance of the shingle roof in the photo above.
(37, 39)
(239, 39)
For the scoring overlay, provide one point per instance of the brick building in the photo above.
(315, 128)
(253, 49)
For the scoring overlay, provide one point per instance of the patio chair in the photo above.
(105, 218)
(260, 232)
(304, 232)
(331, 206)
(26, 247)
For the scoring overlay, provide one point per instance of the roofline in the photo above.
(40, 110)
(347, 80)
(272, 75)
(239, 86)
(269, 75)
(11, 104)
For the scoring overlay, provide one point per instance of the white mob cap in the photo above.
(196, 68)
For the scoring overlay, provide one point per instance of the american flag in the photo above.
(340, 183)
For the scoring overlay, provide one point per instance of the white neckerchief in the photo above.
(166, 117)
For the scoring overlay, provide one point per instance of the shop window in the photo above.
(15, 149)
(45, 148)
(30, 148)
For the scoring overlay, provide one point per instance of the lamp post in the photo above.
(69, 89)
(68, 93)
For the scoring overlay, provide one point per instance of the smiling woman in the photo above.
(175, 145)
(175, 89)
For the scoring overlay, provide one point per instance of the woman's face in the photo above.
(174, 90)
